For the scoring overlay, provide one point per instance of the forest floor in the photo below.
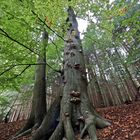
(125, 124)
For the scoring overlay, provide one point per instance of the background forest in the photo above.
(110, 35)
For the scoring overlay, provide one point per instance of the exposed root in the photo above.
(26, 129)
(93, 121)
(27, 132)
(92, 131)
(68, 129)
(101, 123)
(50, 121)
(58, 134)
(83, 131)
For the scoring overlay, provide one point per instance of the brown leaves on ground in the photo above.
(7, 130)
(125, 124)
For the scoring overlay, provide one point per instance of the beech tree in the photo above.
(76, 112)
(75, 106)
(22, 22)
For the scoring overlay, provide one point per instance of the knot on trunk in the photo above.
(81, 119)
(66, 114)
(75, 100)
(69, 40)
(75, 93)
(77, 66)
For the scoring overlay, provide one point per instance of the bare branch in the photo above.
(4, 33)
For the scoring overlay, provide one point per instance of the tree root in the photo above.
(45, 130)
(68, 129)
(58, 134)
(91, 123)
(83, 131)
(101, 123)
(50, 122)
(27, 132)
(92, 131)
(65, 127)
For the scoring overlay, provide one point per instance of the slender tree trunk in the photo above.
(118, 95)
(102, 96)
(94, 86)
(134, 87)
(126, 96)
(103, 78)
(39, 98)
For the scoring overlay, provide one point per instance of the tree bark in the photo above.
(50, 121)
(39, 98)
(76, 109)
(38, 109)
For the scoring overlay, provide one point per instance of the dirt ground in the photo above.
(125, 124)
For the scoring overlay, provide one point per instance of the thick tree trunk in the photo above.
(38, 109)
(76, 110)
(39, 91)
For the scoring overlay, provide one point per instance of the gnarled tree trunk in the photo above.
(77, 114)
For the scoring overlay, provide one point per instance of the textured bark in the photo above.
(38, 109)
(76, 109)
(50, 121)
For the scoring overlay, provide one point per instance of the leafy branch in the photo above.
(12, 66)
(20, 73)
(4, 33)
(56, 48)
(48, 26)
